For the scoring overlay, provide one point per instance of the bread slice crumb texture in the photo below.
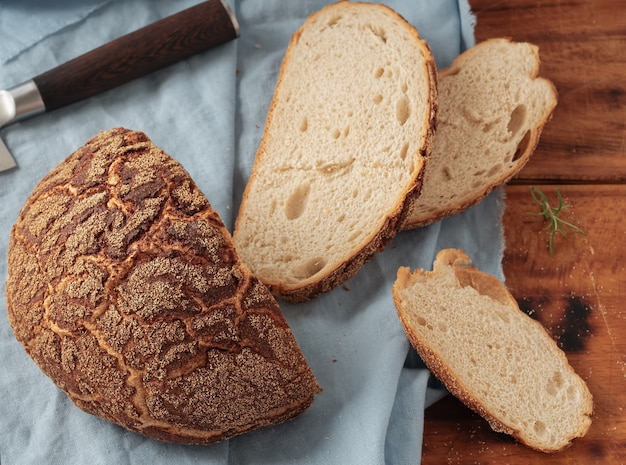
(492, 109)
(492, 356)
(343, 147)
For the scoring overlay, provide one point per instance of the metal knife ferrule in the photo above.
(27, 101)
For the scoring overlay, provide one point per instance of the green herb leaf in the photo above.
(551, 215)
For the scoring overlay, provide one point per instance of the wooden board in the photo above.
(582, 46)
(579, 293)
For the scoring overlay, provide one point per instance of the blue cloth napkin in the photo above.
(20, 28)
(208, 112)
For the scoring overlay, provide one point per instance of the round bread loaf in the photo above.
(124, 287)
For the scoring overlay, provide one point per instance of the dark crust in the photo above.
(392, 224)
(125, 288)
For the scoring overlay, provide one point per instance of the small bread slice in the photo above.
(501, 363)
(492, 108)
(343, 148)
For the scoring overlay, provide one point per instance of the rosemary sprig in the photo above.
(551, 215)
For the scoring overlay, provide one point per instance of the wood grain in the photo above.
(582, 45)
(578, 295)
(579, 292)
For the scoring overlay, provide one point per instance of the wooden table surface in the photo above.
(579, 293)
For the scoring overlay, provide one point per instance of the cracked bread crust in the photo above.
(124, 287)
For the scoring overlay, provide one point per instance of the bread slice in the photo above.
(124, 287)
(492, 108)
(343, 147)
(501, 363)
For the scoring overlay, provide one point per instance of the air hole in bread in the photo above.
(378, 32)
(377, 98)
(494, 170)
(403, 109)
(404, 88)
(522, 147)
(404, 150)
(354, 236)
(487, 127)
(421, 321)
(334, 20)
(555, 383)
(304, 124)
(517, 120)
(311, 268)
(346, 131)
(379, 72)
(539, 427)
(479, 173)
(336, 133)
(297, 201)
(571, 393)
(447, 173)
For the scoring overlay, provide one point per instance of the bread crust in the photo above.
(440, 367)
(391, 223)
(125, 289)
(473, 196)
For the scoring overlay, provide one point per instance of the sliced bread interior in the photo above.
(501, 363)
(343, 147)
(492, 108)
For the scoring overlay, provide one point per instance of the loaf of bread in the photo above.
(501, 363)
(124, 287)
(492, 108)
(343, 149)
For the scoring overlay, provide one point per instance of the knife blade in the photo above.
(160, 44)
(6, 160)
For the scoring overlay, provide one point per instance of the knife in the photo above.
(160, 44)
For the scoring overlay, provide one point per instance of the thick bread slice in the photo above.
(344, 143)
(492, 108)
(501, 363)
(124, 287)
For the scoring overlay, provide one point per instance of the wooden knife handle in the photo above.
(155, 46)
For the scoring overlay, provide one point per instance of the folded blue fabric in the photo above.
(23, 23)
(208, 112)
